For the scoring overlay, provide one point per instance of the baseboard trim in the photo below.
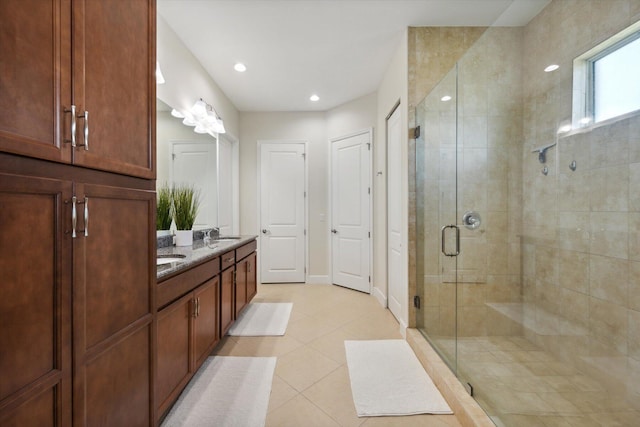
(318, 280)
(382, 298)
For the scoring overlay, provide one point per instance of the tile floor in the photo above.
(311, 382)
(520, 385)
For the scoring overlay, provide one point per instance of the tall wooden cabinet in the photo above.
(90, 58)
(77, 247)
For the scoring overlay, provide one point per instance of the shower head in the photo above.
(542, 152)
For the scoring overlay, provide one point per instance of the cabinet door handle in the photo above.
(86, 216)
(72, 110)
(198, 307)
(85, 116)
(74, 216)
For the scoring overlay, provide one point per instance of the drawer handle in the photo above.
(231, 259)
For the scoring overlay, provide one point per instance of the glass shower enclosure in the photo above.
(527, 257)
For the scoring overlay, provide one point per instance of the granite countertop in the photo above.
(197, 253)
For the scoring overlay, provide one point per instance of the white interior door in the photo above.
(225, 187)
(397, 288)
(195, 163)
(350, 211)
(282, 213)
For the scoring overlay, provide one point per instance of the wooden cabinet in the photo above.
(227, 300)
(174, 355)
(187, 332)
(246, 287)
(103, 279)
(113, 304)
(35, 308)
(77, 313)
(94, 57)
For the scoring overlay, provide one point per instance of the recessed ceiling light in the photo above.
(445, 98)
(551, 68)
(240, 67)
(314, 98)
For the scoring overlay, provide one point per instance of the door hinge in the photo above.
(369, 234)
(369, 279)
(304, 155)
(469, 388)
(369, 190)
(416, 301)
(416, 132)
(369, 146)
(173, 156)
(305, 194)
(305, 232)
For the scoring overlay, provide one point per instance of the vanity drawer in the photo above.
(245, 250)
(228, 259)
(178, 285)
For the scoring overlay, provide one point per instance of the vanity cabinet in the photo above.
(246, 286)
(77, 83)
(227, 292)
(187, 329)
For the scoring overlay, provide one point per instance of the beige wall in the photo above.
(581, 230)
(316, 128)
(392, 89)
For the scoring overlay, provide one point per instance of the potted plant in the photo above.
(163, 210)
(186, 200)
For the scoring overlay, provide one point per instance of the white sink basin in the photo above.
(168, 259)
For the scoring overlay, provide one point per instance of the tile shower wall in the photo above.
(580, 229)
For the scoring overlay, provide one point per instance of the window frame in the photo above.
(583, 111)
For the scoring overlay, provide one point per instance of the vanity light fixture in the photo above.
(445, 98)
(240, 67)
(203, 117)
(314, 98)
(551, 68)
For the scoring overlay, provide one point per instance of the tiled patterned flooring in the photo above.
(520, 385)
(311, 382)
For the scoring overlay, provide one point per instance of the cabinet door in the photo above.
(35, 333)
(252, 280)
(114, 280)
(206, 331)
(241, 286)
(114, 80)
(226, 300)
(174, 355)
(35, 86)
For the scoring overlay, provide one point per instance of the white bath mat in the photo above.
(226, 391)
(388, 379)
(262, 319)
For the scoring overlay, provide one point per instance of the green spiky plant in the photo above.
(186, 201)
(163, 208)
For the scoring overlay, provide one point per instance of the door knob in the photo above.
(334, 231)
(265, 231)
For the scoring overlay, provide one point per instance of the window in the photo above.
(607, 79)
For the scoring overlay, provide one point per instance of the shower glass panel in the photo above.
(436, 186)
(539, 313)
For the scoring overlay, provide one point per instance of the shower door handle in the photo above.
(444, 250)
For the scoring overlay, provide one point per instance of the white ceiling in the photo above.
(338, 49)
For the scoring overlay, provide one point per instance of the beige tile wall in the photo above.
(580, 229)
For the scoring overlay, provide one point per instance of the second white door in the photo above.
(350, 211)
(282, 212)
